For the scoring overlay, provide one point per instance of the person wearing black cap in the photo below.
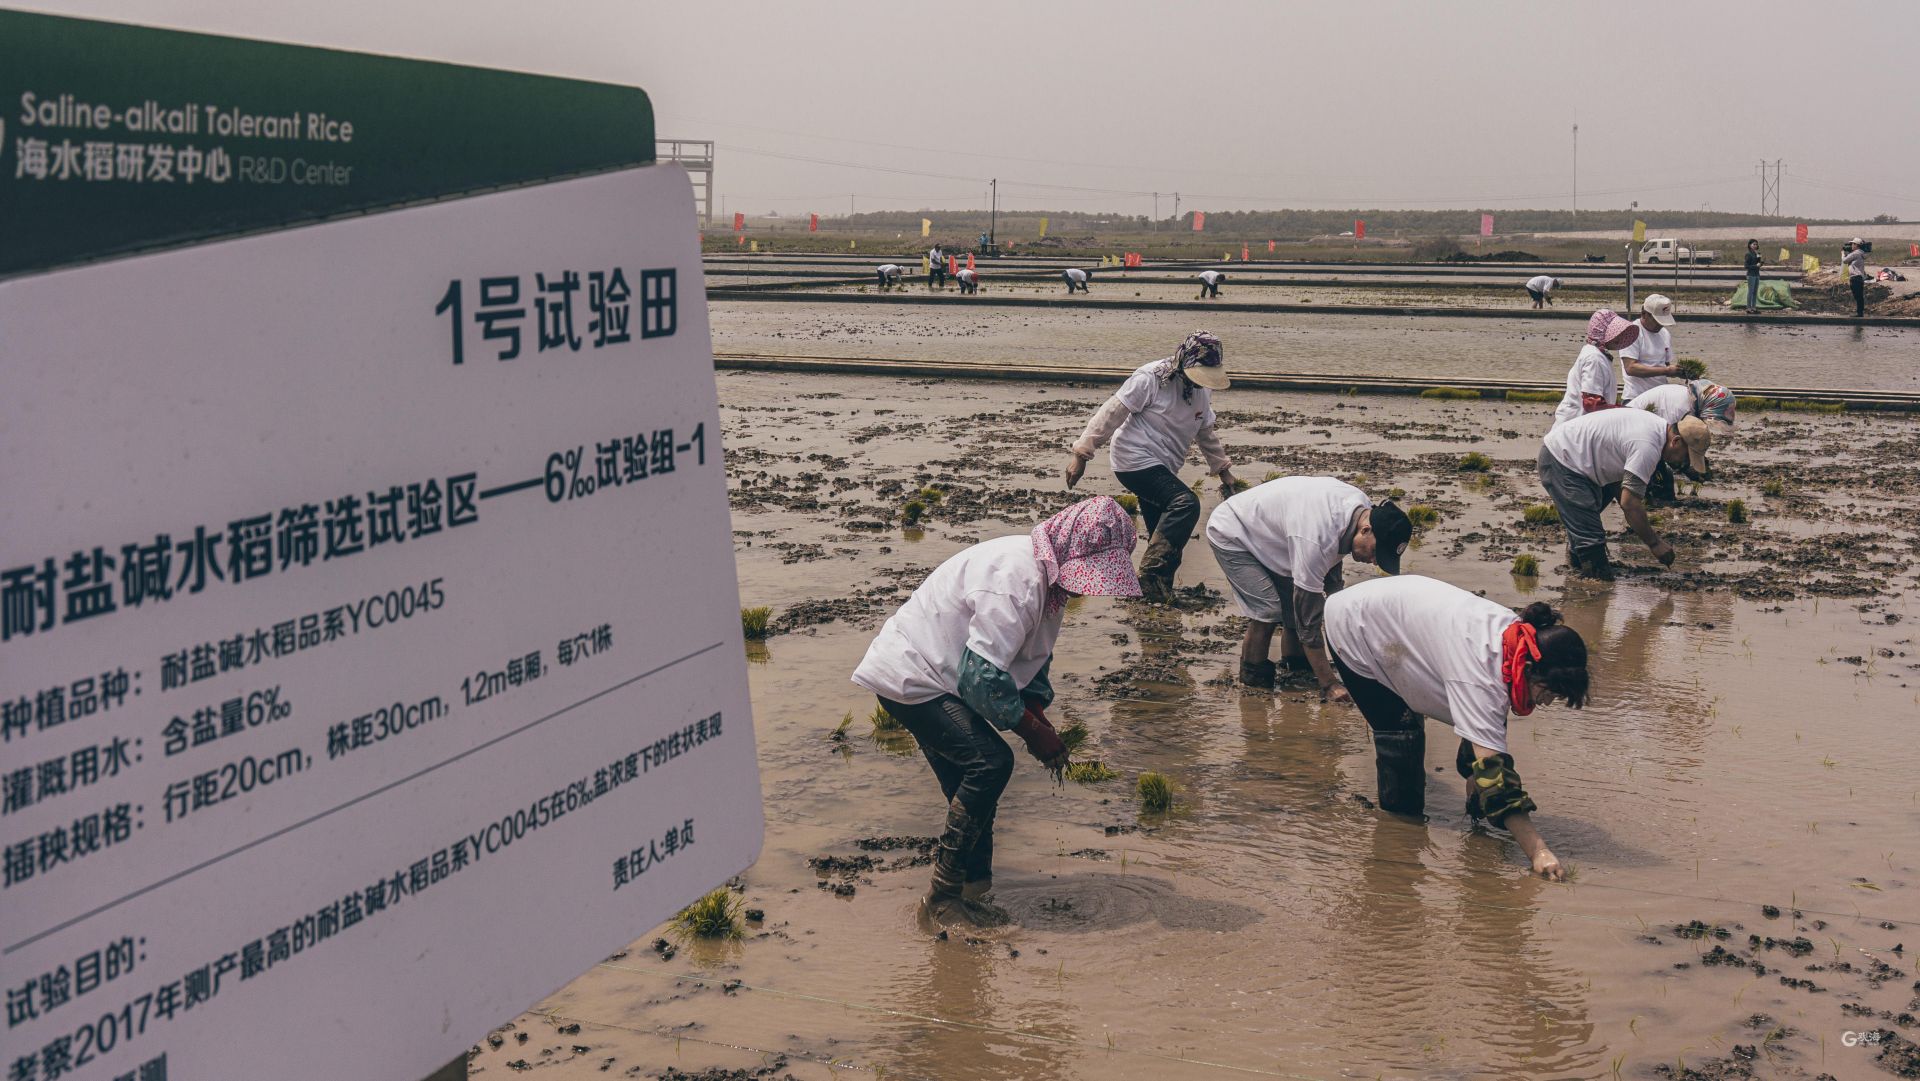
(1280, 545)
(1410, 647)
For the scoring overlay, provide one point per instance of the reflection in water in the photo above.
(954, 980)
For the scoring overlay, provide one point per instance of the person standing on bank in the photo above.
(1589, 462)
(1160, 411)
(1210, 284)
(1280, 546)
(936, 268)
(1754, 263)
(968, 279)
(1412, 647)
(1590, 384)
(1854, 256)
(967, 657)
(1648, 360)
(1540, 287)
(1076, 279)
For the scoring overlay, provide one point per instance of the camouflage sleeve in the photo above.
(1494, 790)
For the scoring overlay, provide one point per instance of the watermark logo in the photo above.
(1861, 1039)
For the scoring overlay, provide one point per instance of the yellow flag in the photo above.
(753, 245)
(926, 226)
(1639, 232)
(1785, 255)
(851, 243)
(1809, 265)
(1043, 227)
(1226, 257)
(926, 267)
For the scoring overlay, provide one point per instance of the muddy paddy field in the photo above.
(1739, 801)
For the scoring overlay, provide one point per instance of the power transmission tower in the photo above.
(1770, 187)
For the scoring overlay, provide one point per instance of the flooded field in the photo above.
(1497, 294)
(1739, 800)
(1742, 355)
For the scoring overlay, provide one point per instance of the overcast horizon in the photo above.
(1237, 105)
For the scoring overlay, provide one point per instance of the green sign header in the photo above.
(117, 139)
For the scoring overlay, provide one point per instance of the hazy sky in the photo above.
(1237, 104)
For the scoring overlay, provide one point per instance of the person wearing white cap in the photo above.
(1162, 409)
(1649, 360)
(1613, 453)
(1540, 287)
(1854, 256)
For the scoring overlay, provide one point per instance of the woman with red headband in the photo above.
(1410, 647)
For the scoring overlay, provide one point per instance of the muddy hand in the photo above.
(1547, 865)
(1076, 468)
(1043, 743)
(1664, 553)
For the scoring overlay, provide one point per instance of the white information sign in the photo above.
(371, 661)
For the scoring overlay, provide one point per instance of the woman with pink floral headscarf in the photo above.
(966, 658)
(1590, 382)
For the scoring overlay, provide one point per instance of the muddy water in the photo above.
(1502, 294)
(1742, 355)
(1750, 743)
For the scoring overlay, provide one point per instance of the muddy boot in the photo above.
(1399, 758)
(1592, 562)
(1257, 674)
(1157, 590)
(1297, 663)
(950, 855)
(978, 891)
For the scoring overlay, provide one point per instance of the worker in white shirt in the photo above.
(887, 275)
(1853, 255)
(1540, 287)
(967, 657)
(936, 268)
(1408, 648)
(1162, 409)
(1590, 461)
(1280, 545)
(1648, 360)
(1590, 383)
(1076, 278)
(968, 279)
(1674, 402)
(1210, 283)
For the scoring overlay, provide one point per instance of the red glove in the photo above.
(1043, 743)
(1593, 403)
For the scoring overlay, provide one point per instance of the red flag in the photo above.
(1244, 254)
(1913, 251)
(1269, 246)
(1486, 225)
(740, 240)
(969, 260)
(813, 223)
(953, 264)
(1799, 234)
(1199, 221)
(1359, 229)
(739, 221)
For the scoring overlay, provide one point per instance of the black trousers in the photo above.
(1171, 511)
(937, 275)
(1399, 741)
(1209, 289)
(968, 286)
(971, 760)
(1859, 287)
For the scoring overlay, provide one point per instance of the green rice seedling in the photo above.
(1089, 772)
(1156, 792)
(1736, 511)
(1239, 486)
(1451, 394)
(1128, 502)
(1541, 514)
(753, 622)
(882, 721)
(1752, 402)
(1774, 488)
(1272, 474)
(1812, 407)
(911, 513)
(839, 733)
(1691, 368)
(1422, 516)
(1074, 736)
(1474, 462)
(1533, 395)
(932, 494)
(1396, 493)
(716, 915)
(1526, 565)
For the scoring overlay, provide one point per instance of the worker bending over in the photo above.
(1612, 454)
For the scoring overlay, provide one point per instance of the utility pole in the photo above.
(1176, 206)
(1156, 210)
(1576, 173)
(993, 217)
